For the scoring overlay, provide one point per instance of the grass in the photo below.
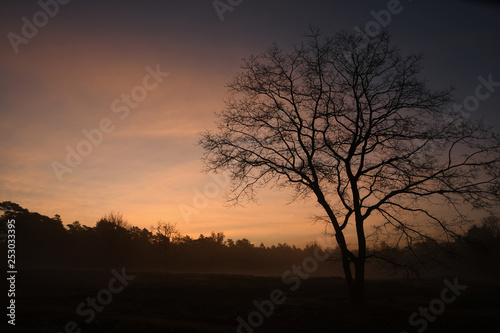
(157, 302)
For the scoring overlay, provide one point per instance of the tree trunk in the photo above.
(359, 285)
(359, 263)
(346, 265)
(356, 283)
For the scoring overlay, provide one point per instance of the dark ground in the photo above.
(156, 302)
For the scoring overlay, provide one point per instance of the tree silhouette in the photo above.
(165, 232)
(43, 235)
(350, 122)
(113, 232)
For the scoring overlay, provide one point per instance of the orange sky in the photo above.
(65, 79)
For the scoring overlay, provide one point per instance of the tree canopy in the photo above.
(351, 123)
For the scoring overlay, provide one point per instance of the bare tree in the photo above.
(113, 231)
(165, 232)
(349, 122)
(492, 225)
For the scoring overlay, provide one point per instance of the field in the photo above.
(157, 302)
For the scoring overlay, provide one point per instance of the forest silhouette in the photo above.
(47, 243)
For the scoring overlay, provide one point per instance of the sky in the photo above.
(67, 80)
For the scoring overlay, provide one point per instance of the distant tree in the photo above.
(350, 122)
(11, 209)
(112, 231)
(164, 234)
(244, 244)
(218, 238)
(492, 225)
(479, 248)
(485, 235)
(113, 221)
(141, 235)
(186, 240)
(165, 231)
(46, 236)
(46, 243)
(75, 228)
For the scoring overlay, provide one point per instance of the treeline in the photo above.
(43, 242)
(473, 254)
